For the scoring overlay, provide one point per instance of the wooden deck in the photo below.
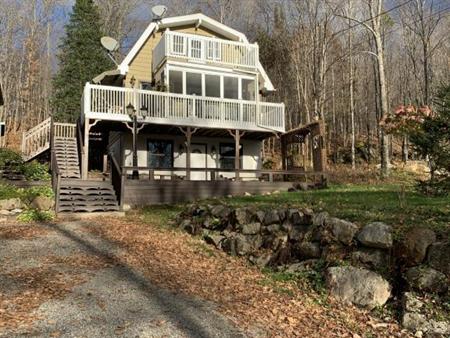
(141, 193)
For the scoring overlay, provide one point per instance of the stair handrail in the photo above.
(117, 177)
(35, 134)
(56, 179)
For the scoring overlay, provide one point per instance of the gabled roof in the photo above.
(201, 20)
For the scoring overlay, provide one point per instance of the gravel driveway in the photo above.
(80, 289)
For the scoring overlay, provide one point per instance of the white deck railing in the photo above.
(37, 139)
(109, 103)
(204, 49)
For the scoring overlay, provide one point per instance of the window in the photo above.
(178, 45)
(193, 84)
(212, 85)
(176, 81)
(230, 87)
(248, 89)
(160, 154)
(227, 155)
(195, 51)
(213, 50)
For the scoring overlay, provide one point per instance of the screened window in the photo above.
(248, 89)
(227, 155)
(160, 154)
(212, 85)
(193, 84)
(230, 87)
(176, 81)
(196, 49)
(214, 50)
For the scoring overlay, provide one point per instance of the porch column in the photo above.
(85, 154)
(283, 153)
(237, 161)
(188, 134)
(188, 153)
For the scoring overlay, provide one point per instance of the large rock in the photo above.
(237, 245)
(426, 279)
(221, 211)
(415, 245)
(271, 217)
(251, 228)
(295, 216)
(417, 322)
(414, 321)
(42, 203)
(358, 286)
(439, 257)
(261, 260)
(214, 239)
(342, 231)
(308, 250)
(11, 204)
(371, 257)
(243, 216)
(320, 218)
(411, 303)
(376, 235)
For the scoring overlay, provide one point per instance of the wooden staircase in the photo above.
(66, 153)
(77, 195)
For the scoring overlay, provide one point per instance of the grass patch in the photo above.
(33, 215)
(398, 205)
(159, 215)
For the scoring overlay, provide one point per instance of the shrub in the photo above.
(9, 158)
(9, 191)
(35, 171)
(33, 215)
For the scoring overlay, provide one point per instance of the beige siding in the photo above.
(141, 66)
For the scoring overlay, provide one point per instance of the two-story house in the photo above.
(183, 115)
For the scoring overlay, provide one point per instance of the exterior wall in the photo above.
(251, 158)
(141, 66)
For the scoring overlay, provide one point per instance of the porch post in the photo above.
(237, 160)
(188, 153)
(85, 166)
(283, 153)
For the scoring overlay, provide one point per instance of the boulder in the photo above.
(261, 260)
(342, 231)
(221, 211)
(309, 264)
(11, 204)
(271, 217)
(251, 228)
(376, 235)
(334, 252)
(320, 218)
(214, 239)
(42, 203)
(260, 216)
(439, 257)
(237, 245)
(301, 186)
(415, 245)
(358, 286)
(371, 257)
(243, 216)
(308, 250)
(414, 321)
(308, 215)
(426, 279)
(411, 303)
(295, 216)
(188, 226)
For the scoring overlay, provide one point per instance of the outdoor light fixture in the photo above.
(213, 151)
(132, 81)
(143, 111)
(130, 110)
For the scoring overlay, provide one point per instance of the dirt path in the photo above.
(61, 281)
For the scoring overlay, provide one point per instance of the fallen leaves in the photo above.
(16, 231)
(181, 263)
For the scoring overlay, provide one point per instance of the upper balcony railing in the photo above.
(109, 103)
(203, 49)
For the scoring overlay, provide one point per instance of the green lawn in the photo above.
(394, 204)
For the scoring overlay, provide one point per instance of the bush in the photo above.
(35, 171)
(10, 158)
(33, 215)
(9, 191)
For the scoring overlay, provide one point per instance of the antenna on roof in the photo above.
(111, 45)
(158, 12)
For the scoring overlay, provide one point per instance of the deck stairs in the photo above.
(73, 194)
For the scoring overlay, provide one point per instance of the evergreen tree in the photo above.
(81, 58)
(433, 140)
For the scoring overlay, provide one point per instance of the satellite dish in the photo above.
(158, 12)
(109, 44)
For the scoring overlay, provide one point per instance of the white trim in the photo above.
(206, 22)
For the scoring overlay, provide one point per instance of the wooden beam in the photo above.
(85, 160)
(188, 134)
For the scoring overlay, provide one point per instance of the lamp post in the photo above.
(131, 111)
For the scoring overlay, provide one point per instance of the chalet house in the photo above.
(182, 117)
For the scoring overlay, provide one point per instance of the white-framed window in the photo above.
(178, 44)
(195, 48)
(213, 51)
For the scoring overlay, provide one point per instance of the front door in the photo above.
(198, 160)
